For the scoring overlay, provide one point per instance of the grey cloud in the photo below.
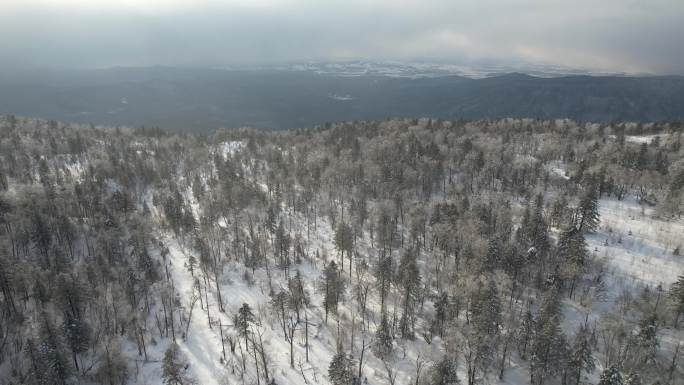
(612, 35)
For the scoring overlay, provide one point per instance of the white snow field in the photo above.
(637, 244)
(643, 138)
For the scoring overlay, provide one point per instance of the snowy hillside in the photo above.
(639, 244)
(415, 252)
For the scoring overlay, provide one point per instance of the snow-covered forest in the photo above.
(397, 252)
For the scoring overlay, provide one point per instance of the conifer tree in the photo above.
(572, 253)
(56, 369)
(243, 320)
(539, 236)
(676, 295)
(444, 372)
(197, 188)
(409, 276)
(633, 379)
(587, 216)
(340, 370)
(647, 339)
(482, 335)
(333, 286)
(611, 376)
(298, 296)
(174, 366)
(77, 333)
(382, 346)
(549, 345)
(344, 240)
(384, 272)
(525, 333)
(581, 358)
(441, 313)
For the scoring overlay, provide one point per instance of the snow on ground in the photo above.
(145, 373)
(637, 244)
(557, 168)
(643, 138)
(202, 347)
(75, 169)
(230, 148)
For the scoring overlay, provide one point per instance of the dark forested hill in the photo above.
(205, 99)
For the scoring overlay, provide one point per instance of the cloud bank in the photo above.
(610, 35)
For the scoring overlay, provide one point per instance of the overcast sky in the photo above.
(608, 35)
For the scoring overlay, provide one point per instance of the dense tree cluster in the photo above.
(469, 238)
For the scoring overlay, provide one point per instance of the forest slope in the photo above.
(396, 252)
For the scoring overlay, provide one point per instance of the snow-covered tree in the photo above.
(549, 347)
(243, 319)
(174, 367)
(581, 357)
(587, 215)
(333, 286)
(382, 345)
(677, 299)
(340, 370)
(444, 372)
(611, 376)
(409, 276)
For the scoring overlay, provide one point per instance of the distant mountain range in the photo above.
(430, 69)
(304, 95)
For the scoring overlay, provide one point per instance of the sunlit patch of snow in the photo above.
(230, 148)
(560, 172)
(558, 169)
(638, 244)
(643, 138)
(525, 158)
